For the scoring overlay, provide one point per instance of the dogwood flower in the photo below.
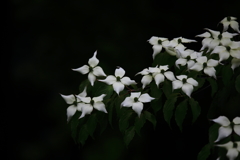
(230, 21)
(186, 84)
(136, 101)
(206, 65)
(235, 63)
(158, 43)
(233, 149)
(147, 77)
(118, 81)
(93, 70)
(75, 103)
(226, 129)
(206, 41)
(90, 103)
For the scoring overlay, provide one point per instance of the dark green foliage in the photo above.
(237, 83)
(139, 123)
(168, 108)
(196, 109)
(150, 117)
(214, 86)
(180, 113)
(156, 104)
(205, 152)
(129, 134)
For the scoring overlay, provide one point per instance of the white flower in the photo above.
(75, 103)
(225, 130)
(93, 70)
(159, 74)
(90, 103)
(185, 83)
(230, 21)
(231, 48)
(207, 39)
(235, 63)
(206, 65)
(158, 43)
(118, 81)
(136, 101)
(233, 149)
(147, 77)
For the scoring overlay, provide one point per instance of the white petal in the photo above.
(137, 107)
(100, 106)
(99, 98)
(177, 84)
(222, 120)
(71, 110)
(85, 99)
(185, 40)
(98, 71)
(202, 59)
(227, 145)
(143, 72)
(181, 61)
(192, 82)
(235, 53)
(84, 69)
(235, 63)
(154, 69)
(232, 153)
(190, 63)
(219, 49)
(127, 81)
(170, 50)
(118, 87)
(210, 71)
(146, 80)
(153, 40)
(69, 99)
(236, 129)
(164, 68)
(197, 67)
(79, 106)
(109, 80)
(224, 55)
(93, 61)
(156, 49)
(119, 72)
(159, 78)
(83, 93)
(86, 109)
(206, 42)
(212, 63)
(238, 145)
(214, 43)
(91, 78)
(224, 132)
(135, 94)
(206, 34)
(236, 120)
(235, 26)
(169, 75)
(187, 88)
(128, 102)
(214, 33)
(145, 98)
(181, 77)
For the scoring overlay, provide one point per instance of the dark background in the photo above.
(44, 39)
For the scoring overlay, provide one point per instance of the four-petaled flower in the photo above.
(93, 70)
(90, 103)
(230, 21)
(75, 103)
(185, 83)
(226, 129)
(158, 43)
(233, 149)
(118, 81)
(136, 101)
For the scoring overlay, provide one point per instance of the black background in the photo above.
(44, 39)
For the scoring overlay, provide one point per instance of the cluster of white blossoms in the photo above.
(226, 129)
(214, 42)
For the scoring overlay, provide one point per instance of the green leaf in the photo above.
(124, 121)
(164, 58)
(139, 123)
(102, 121)
(129, 134)
(102, 88)
(213, 133)
(201, 82)
(213, 84)
(180, 113)
(156, 104)
(205, 152)
(110, 113)
(237, 83)
(169, 107)
(91, 124)
(84, 84)
(227, 73)
(196, 110)
(167, 88)
(83, 134)
(150, 117)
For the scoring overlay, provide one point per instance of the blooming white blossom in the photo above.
(75, 103)
(158, 43)
(136, 101)
(225, 130)
(93, 70)
(235, 63)
(90, 103)
(147, 77)
(233, 149)
(230, 21)
(186, 84)
(206, 65)
(118, 81)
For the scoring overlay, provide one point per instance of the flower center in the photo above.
(159, 41)
(228, 48)
(92, 102)
(235, 145)
(204, 64)
(135, 99)
(118, 78)
(179, 41)
(90, 69)
(184, 80)
(162, 71)
(228, 18)
(219, 36)
(188, 58)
